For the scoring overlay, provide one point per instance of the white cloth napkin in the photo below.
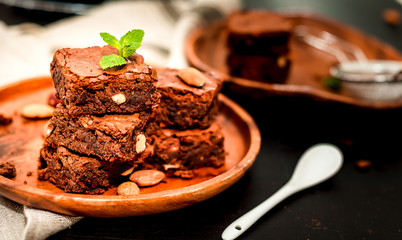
(21, 222)
(27, 50)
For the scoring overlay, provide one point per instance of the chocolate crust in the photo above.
(258, 23)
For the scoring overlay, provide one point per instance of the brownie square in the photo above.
(108, 137)
(183, 150)
(183, 106)
(75, 173)
(258, 44)
(85, 88)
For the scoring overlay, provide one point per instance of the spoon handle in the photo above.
(247, 220)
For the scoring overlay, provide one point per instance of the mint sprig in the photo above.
(126, 46)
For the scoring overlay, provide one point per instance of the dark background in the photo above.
(355, 204)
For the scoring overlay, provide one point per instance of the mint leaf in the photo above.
(110, 39)
(128, 50)
(111, 61)
(332, 83)
(126, 46)
(131, 41)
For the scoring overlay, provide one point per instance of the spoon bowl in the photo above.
(317, 164)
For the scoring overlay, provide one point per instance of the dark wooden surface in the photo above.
(355, 204)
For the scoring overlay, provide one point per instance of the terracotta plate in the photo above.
(20, 143)
(206, 49)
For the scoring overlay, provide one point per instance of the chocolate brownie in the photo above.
(178, 150)
(7, 170)
(75, 173)
(85, 88)
(183, 106)
(108, 137)
(258, 43)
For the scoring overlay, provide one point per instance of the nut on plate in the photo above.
(127, 172)
(192, 77)
(147, 178)
(37, 110)
(128, 189)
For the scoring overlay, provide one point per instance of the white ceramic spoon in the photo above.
(317, 164)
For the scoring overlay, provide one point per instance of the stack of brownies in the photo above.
(132, 118)
(258, 42)
(97, 131)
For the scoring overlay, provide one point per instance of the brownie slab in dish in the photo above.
(108, 137)
(85, 88)
(75, 173)
(179, 151)
(183, 106)
(258, 44)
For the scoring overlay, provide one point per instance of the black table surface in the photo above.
(355, 204)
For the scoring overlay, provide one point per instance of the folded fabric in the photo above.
(21, 222)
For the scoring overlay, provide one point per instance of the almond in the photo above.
(49, 129)
(141, 143)
(37, 110)
(127, 189)
(146, 178)
(127, 172)
(192, 77)
(119, 98)
(281, 61)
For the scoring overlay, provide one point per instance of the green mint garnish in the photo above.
(126, 46)
(332, 83)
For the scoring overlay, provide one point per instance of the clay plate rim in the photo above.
(307, 90)
(142, 204)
